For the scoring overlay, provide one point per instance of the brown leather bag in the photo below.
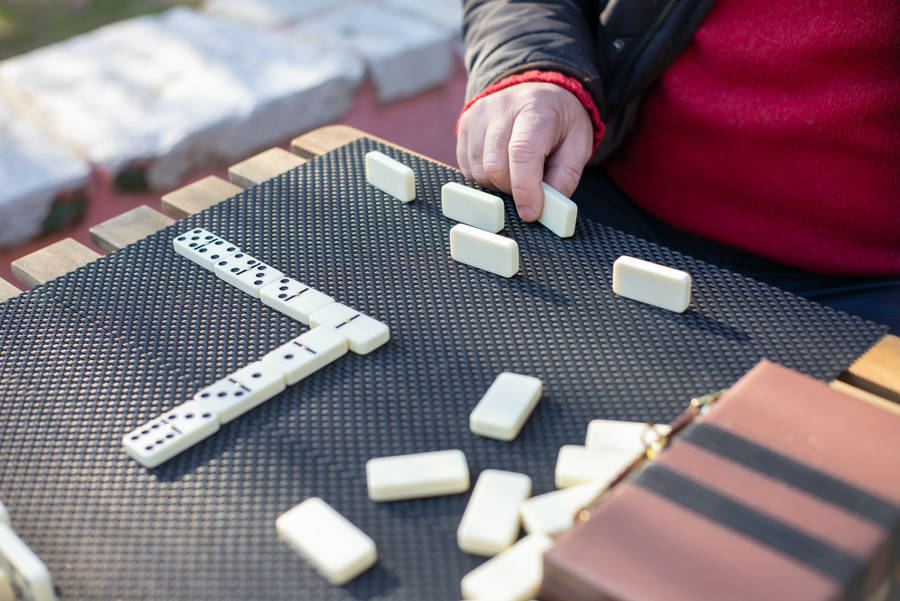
(784, 489)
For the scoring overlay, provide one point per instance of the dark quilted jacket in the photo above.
(616, 48)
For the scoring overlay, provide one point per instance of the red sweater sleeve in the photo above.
(564, 81)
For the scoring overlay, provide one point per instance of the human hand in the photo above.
(514, 138)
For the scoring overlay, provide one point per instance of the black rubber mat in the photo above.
(89, 356)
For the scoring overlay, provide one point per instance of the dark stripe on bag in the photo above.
(816, 554)
(793, 473)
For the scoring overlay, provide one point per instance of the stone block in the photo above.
(271, 14)
(180, 90)
(405, 53)
(35, 170)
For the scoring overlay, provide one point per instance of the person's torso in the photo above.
(777, 130)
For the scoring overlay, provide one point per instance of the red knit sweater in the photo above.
(777, 131)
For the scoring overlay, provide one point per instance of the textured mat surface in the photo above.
(87, 357)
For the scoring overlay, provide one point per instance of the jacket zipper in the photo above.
(657, 25)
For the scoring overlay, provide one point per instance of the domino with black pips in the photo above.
(294, 299)
(246, 273)
(241, 391)
(364, 334)
(306, 354)
(203, 247)
(166, 436)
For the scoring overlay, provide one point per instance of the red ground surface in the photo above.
(424, 123)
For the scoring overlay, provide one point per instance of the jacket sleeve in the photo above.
(506, 37)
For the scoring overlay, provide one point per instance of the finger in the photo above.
(475, 151)
(530, 142)
(462, 149)
(565, 164)
(495, 160)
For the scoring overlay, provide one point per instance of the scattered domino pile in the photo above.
(474, 241)
(499, 505)
(20, 569)
(501, 502)
(334, 328)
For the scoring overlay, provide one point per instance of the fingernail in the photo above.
(527, 213)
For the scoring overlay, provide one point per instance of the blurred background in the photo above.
(106, 105)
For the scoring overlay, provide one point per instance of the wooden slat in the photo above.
(878, 369)
(131, 226)
(324, 139)
(52, 261)
(7, 290)
(198, 196)
(265, 165)
(327, 138)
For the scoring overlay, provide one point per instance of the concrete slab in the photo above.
(34, 170)
(180, 90)
(405, 53)
(271, 14)
(448, 13)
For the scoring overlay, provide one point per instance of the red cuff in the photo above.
(569, 83)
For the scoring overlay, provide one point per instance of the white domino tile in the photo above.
(330, 542)
(513, 575)
(203, 247)
(576, 465)
(651, 283)
(306, 354)
(506, 405)
(390, 176)
(484, 250)
(364, 334)
(491, 520)
(241, 391)
(628, 436)
(7, 593)
(25, 568)
(214, 252)
(559, 213)
(554, 512)
(4, 514)
(417, 475)
(294, 299)
(246, 273)
(474, 207)
(174, 431)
